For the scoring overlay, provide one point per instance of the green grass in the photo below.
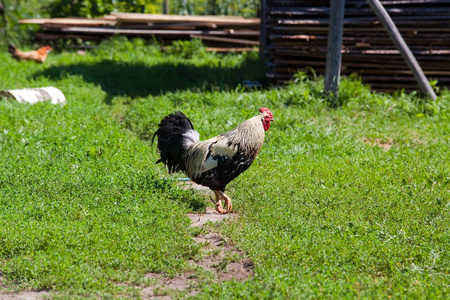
(324, 211)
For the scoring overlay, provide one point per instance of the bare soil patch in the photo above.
(385, 144)
(23, 295)
(220, 261)
(230, 263)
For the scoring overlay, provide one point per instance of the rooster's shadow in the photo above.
(138, 80)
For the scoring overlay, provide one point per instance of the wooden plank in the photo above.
(176, 26)
(68, 21)
(157, 18)
(233, 49)
(173, 17)
(292, 37)
(226, 40)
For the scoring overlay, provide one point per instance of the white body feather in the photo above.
(203, 156)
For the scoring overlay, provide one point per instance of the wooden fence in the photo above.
(294, 38)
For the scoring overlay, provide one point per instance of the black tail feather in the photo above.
(170, 140)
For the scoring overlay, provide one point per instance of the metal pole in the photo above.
(401, 45)
(165, 7)
(333, 63)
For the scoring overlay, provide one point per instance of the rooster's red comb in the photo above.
(266, 110)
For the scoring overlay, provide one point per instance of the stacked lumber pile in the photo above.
(296, 34)
(219, 32)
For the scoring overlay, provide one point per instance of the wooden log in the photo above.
(333, 62)
(402, 47)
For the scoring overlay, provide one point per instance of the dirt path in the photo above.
(220, 261)
(24, 295)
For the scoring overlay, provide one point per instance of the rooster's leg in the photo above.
(227, 201)
(219, 207)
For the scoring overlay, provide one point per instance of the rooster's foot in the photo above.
(219, 208)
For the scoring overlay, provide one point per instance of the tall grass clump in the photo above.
(11, 30)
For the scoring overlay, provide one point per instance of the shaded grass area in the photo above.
(130, 70)
(325, 212)
(138, 80)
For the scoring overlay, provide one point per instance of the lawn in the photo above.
(346, 202)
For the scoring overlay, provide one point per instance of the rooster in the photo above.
(39, 55)
(215, 162)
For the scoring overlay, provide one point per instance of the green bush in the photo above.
(11, 30)
(96, 8)
(244, 8)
